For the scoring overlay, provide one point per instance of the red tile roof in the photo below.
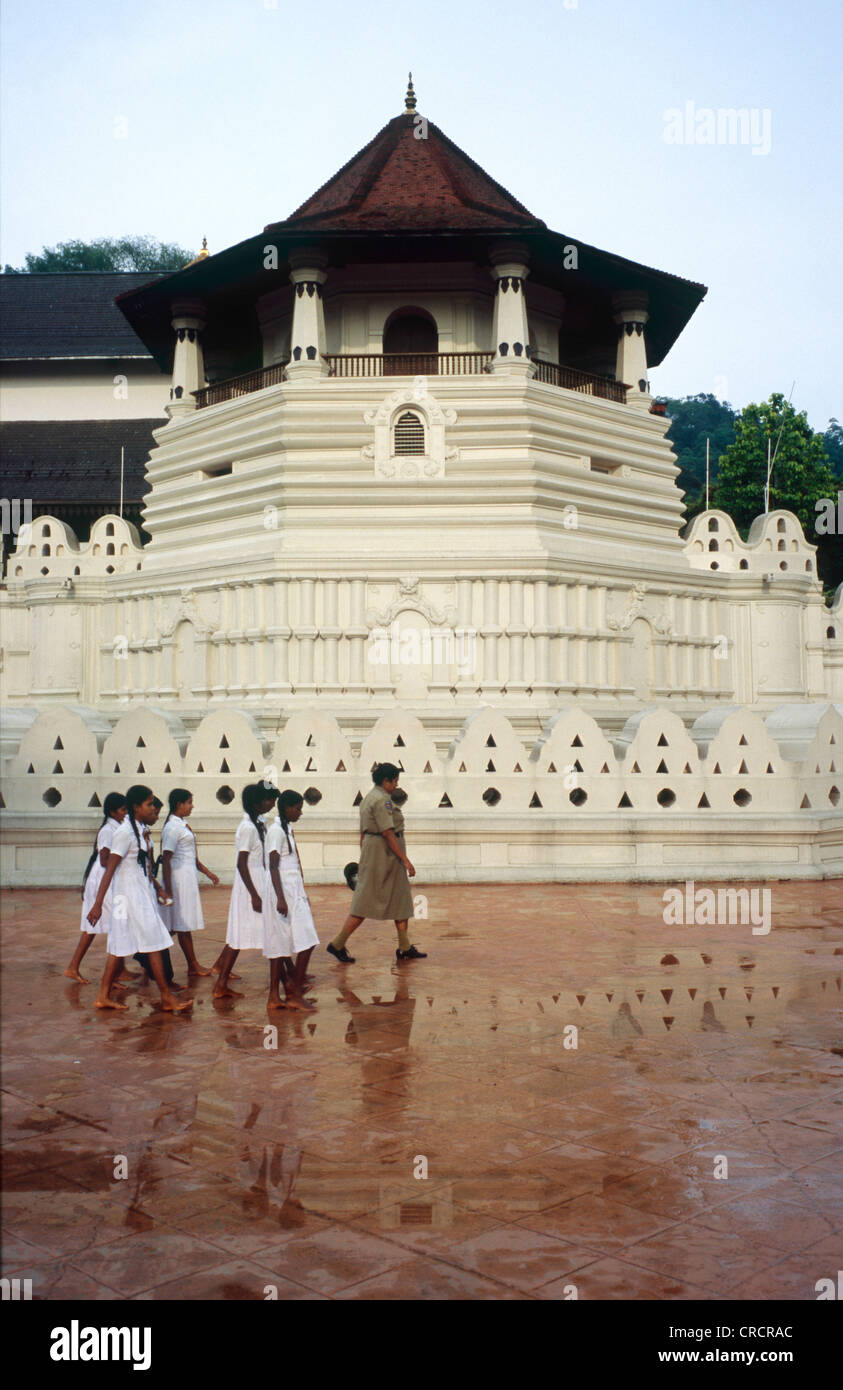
(399, 182)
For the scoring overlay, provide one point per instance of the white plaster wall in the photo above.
(81, 392)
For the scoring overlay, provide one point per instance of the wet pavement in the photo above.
(567, 1099)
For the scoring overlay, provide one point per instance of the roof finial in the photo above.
(410, 98)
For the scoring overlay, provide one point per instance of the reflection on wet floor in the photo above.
(544, 1103)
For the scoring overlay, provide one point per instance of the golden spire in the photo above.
(203, 254)
(410, 98)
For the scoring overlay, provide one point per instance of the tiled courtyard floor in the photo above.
(700, 1050)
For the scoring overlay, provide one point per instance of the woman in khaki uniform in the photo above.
(383, 887)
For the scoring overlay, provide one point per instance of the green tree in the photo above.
(833, 442)
(139, 253)
(693, 419)
(801, 472)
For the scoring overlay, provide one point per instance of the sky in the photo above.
(180, 119)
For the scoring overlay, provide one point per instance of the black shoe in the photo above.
(341, 955)
(412, 954)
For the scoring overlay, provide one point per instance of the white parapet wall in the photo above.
(732, 796)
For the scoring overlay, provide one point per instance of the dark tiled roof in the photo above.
(68, 315)
(400, 183)
(60, 461)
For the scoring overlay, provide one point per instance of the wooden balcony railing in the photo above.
(368, 364)
(373, 364)
(585, 382)
(240, 385)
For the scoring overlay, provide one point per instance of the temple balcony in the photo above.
(370, 365)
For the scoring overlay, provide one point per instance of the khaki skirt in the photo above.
(383, 888)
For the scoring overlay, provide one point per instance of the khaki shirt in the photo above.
(378, 812)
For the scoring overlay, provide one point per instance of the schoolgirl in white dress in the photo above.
(288, 927)
(135, 923)
(114, 812)
(180, 871)
(245, 913)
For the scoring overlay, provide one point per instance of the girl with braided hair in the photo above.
(288, 928)
(245, 913)
(113, 814)
(134, 921)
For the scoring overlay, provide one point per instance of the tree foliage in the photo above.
(140, 253)
(801, 475)
(693, 419)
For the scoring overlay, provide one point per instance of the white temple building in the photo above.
(412, 501)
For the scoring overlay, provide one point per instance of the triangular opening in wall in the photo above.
(30, 768)
(604, 768)
(716, 767)
(224, 742)
(446, 804)
(285, 768)
(141, 767)
(742, 742)
(199, 767)
(551, 767)
(399, 742)
(340, 767)
(703, 804)
(662, 767)
(662, 743)
(769, 767)
(116, 767)
(743, 770)
(310, 767)
(831, 767)
(427, 768)
(58, 744)
(490, 766)
(58, 768)
(94, 801)
(358, 798)
(86, 769)
(686, 768)
(224, 766)
(805, 804)
(490, 742)
(635, 767)
(534, 802)
(817, 768)
(309, 743)
(140, 743)
(252, 767)
(401, 765)
(462, 767)
(517, 768)
(832, 739)
(168, 768)
(624, 804)
(577, 767)
(576, 741)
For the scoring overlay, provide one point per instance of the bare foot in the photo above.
(176, 1006)
(177, 989)
(277, 1004)
(109, 1004)
(198, 969)
(303, 1005)
(74, 975)
(223, 992)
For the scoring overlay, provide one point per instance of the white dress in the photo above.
(186, 912)
(94, 879)
(245, 926)
(135, 923)
(286, 936)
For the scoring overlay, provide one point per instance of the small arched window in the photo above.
(714, 524)
(744, 565)
(713, 545)
(45, 550)
(409, 434)
(109, 528)
(780, 525)
(109, 549)
(782, 545)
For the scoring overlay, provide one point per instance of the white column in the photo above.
(308, 343)
(510, 332)
(306, 634)
(188, 359)
(357, 636)
(490, 633)
(631, 368)
(516, 632)
(330, 633)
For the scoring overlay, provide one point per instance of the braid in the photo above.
(285, 799)
(112, 803)
(135, 796)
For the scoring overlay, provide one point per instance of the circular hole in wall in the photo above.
(666, 797)
(578, 797)
(312, 796)
(52, 796)
(491, 796)
(225, 795)
(742, 797)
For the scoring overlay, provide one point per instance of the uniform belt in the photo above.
(380, 832)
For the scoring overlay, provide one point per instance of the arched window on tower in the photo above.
(410, 344)
(408, 436)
